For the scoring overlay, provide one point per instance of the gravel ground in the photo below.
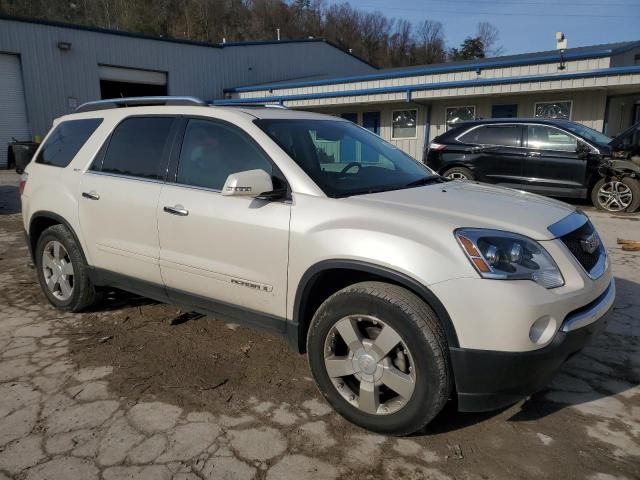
(136, 389)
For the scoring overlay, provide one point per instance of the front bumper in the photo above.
(488, 380)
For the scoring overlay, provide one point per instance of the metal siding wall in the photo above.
(588, 107)
(13, 115)
(412, 146)
(51, 75)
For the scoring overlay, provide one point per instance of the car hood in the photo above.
(620, 138)
(469, 204)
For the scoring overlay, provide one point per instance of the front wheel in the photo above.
(616, 195)
(379, 356)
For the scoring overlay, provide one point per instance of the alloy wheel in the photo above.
(615, 196)
(369, 364)
(58, 270)
(457, 176)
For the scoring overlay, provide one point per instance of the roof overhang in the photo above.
(603, 78)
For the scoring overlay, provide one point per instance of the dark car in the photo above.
(547, 156)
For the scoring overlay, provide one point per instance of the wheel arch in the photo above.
(324, 278)
(39, 222)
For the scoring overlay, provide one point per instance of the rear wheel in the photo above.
(616, 195)
(379, 356)
(62, 270)
(459, 173)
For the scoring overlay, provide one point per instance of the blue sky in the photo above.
(525, 25)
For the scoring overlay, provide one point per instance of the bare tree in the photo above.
(430, 42)
(489, 35)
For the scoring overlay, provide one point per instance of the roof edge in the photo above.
(408, 89)
(428, 69)
(184, 41)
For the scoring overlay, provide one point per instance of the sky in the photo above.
(524, 25)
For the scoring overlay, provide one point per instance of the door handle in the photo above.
(177, 210)
(533, 154)
(92, 195)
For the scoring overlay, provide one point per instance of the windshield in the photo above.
(344, 159)
(588, 133)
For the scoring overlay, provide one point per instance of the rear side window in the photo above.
(66, 140)
(504, 135)
(136, 147)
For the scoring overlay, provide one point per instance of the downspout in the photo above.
(427, 131)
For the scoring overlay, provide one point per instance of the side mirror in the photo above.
(250, 183)
(583, 150)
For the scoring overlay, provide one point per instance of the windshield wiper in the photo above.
(424, 181)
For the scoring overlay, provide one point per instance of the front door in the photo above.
(551, 164)
(119, 197)
(504, 111)
(225, 250)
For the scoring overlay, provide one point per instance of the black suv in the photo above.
(550, 157)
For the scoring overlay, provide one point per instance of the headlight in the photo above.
(509, 256)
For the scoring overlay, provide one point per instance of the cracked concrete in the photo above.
(63, 420)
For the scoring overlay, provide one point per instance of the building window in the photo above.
(459, 114)
(560, 109)
(404, 124)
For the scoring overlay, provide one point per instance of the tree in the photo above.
(489, 36)
(430, 44)
(471, 49)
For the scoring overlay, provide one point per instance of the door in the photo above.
(552, 165)
(13, 120)
(232, 250)
(119, 198)
(496, 152)
(371, 121)
(504, 111)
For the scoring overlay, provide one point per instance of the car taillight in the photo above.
(23, 182)
(437, 146)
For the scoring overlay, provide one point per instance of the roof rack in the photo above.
(138, 102)
(245, 103)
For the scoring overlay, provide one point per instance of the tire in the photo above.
(420, 356)
(57, 240)
(628, 199)
(459, 173)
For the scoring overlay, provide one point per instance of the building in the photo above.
(47, 69)
(598, 86)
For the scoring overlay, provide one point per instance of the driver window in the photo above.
(211, 151)
(542, 137)
(335, 154)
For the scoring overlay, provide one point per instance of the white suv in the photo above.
(404, 288)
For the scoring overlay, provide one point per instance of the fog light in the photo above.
(543, 330)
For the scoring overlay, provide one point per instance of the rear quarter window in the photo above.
(66, 140)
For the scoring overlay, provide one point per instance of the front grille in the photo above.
(573, 242)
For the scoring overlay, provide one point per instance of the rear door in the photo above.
(232, 250)
(119, 198)
(496, 153)
(552, 165)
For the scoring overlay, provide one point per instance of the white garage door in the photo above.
(13, 112)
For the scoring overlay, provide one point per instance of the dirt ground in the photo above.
(258, 395)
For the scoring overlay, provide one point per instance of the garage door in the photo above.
(13, 119)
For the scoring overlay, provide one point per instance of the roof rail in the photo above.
(138, 102)
(245, 103)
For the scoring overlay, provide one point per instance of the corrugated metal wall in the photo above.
(54, 79)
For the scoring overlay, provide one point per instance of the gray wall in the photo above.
(51, 76)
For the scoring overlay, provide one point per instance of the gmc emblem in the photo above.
(590, 243)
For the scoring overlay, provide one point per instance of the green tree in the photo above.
(471, 49)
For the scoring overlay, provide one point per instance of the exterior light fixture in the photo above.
(64, 46)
